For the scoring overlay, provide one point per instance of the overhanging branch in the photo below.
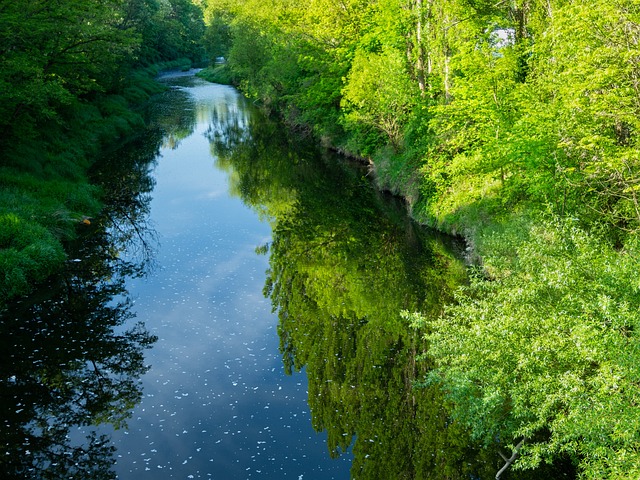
(510, 460)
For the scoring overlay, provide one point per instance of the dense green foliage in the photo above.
(548, 351)
(514, 124)
(71, 74)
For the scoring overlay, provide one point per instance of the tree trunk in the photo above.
(420, 63)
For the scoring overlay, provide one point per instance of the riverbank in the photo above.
(46, 196)
(73, 76)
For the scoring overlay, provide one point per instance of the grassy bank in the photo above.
(46, 197)
(218, 73)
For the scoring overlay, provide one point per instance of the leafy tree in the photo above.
(379, 93)
(545, 351)
(218, 36)
(53, 52)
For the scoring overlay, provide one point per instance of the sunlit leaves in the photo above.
(562, 137)
(379, 92)
(546, 351)
(590, 67)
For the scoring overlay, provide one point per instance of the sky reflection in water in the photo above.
(217, 403)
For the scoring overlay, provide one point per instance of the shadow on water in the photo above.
(345, 260)
(72, 355)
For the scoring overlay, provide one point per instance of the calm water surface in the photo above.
(217, 403)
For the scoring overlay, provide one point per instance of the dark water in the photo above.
(235, 314)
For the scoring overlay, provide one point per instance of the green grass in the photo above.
(45, 193)
(217, 74)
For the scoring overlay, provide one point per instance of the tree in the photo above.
(379, 93)
(545, 351)
(52, 52)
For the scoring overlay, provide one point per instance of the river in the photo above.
(217, 403)
(234, 315)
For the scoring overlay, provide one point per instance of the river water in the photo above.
(235, 314)
(216, 403)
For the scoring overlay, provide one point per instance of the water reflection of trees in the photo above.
(72, 355)
(228, 127)
(68, 361)
(128, 182)
(174, 113)
(344, 262)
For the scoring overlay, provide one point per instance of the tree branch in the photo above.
(513, 458)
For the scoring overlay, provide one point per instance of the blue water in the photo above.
(217, 403)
